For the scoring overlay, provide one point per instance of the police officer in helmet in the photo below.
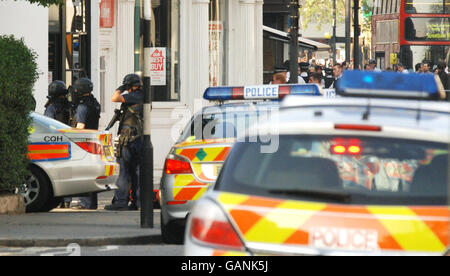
(57, 106)
(87, 116)
(131, 96)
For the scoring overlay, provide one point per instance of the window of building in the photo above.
(217, 14)
(165, 34)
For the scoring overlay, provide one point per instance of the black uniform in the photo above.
(130, 148)
(88, 113)
(58, 109)
(130, 144)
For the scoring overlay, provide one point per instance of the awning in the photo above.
(275, 34)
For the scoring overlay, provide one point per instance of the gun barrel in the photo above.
(114, 120)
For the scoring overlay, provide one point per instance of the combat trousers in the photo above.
(129, 174)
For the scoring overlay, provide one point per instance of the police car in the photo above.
(351, 176)
(194, 162)
(66, 162)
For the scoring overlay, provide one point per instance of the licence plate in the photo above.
(108, 153)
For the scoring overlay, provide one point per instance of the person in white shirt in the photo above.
(401, 69)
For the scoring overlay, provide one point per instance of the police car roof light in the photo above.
(387, 85)
(261, 92)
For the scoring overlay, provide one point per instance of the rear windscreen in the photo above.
(351, 170)
(223, 125)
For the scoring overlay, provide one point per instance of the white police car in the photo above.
(66, 162)
(351, 176)
(194, 162)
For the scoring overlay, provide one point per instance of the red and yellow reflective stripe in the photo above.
(109, 170)
(48, 152)
(274, 221)
(220, 253)
(207, 154)
(187, 188)
(106, 139)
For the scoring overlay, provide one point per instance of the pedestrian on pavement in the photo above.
(131, 96)
(279, 78)
(316, 78)
(419, 68)
(57, 108)
(87, 116)
(426, 67)
(401, 68)
(337, 73)
(373, 65)
(304, 68)
(443, 76)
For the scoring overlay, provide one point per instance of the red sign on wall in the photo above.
(107, 14)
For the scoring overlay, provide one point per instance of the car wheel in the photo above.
(36, 191)
(171, 232)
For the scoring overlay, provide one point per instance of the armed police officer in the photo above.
(131, 96)
(87, 116)
(58, 108)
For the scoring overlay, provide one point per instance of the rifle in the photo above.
(116, 118)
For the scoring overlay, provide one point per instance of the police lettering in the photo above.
(343, 238)
(261, 92)
(53, 138)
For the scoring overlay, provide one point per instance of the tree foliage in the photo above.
(18, 73)
(321, 12)
(46, 3)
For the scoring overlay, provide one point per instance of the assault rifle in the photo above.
(116, 118)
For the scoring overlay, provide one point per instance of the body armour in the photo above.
(61, 108)
(93, 112)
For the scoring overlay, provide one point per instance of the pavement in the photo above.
(62, 227)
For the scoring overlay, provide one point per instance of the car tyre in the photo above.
(171, 232)
(36, 191)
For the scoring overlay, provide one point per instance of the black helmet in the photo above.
(56, 89)
(131, 80)
(83, 86)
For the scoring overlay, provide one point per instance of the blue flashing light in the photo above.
(388, 85)
(305, 90)
(218, 94)
(261, 92)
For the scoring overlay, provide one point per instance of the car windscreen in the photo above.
(48, 122)
(347, 170)
(231, 123)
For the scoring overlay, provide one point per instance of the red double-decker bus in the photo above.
(424, 31)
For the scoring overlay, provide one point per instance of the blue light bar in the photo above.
(305, 90)
(387, 85)
(260, 92)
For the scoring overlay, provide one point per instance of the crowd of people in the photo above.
(326, 76)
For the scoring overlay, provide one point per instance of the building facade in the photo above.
(201, 43)
(385, 31)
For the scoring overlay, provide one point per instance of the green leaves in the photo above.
(18, 73)
(46, 3)
(321, 12)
